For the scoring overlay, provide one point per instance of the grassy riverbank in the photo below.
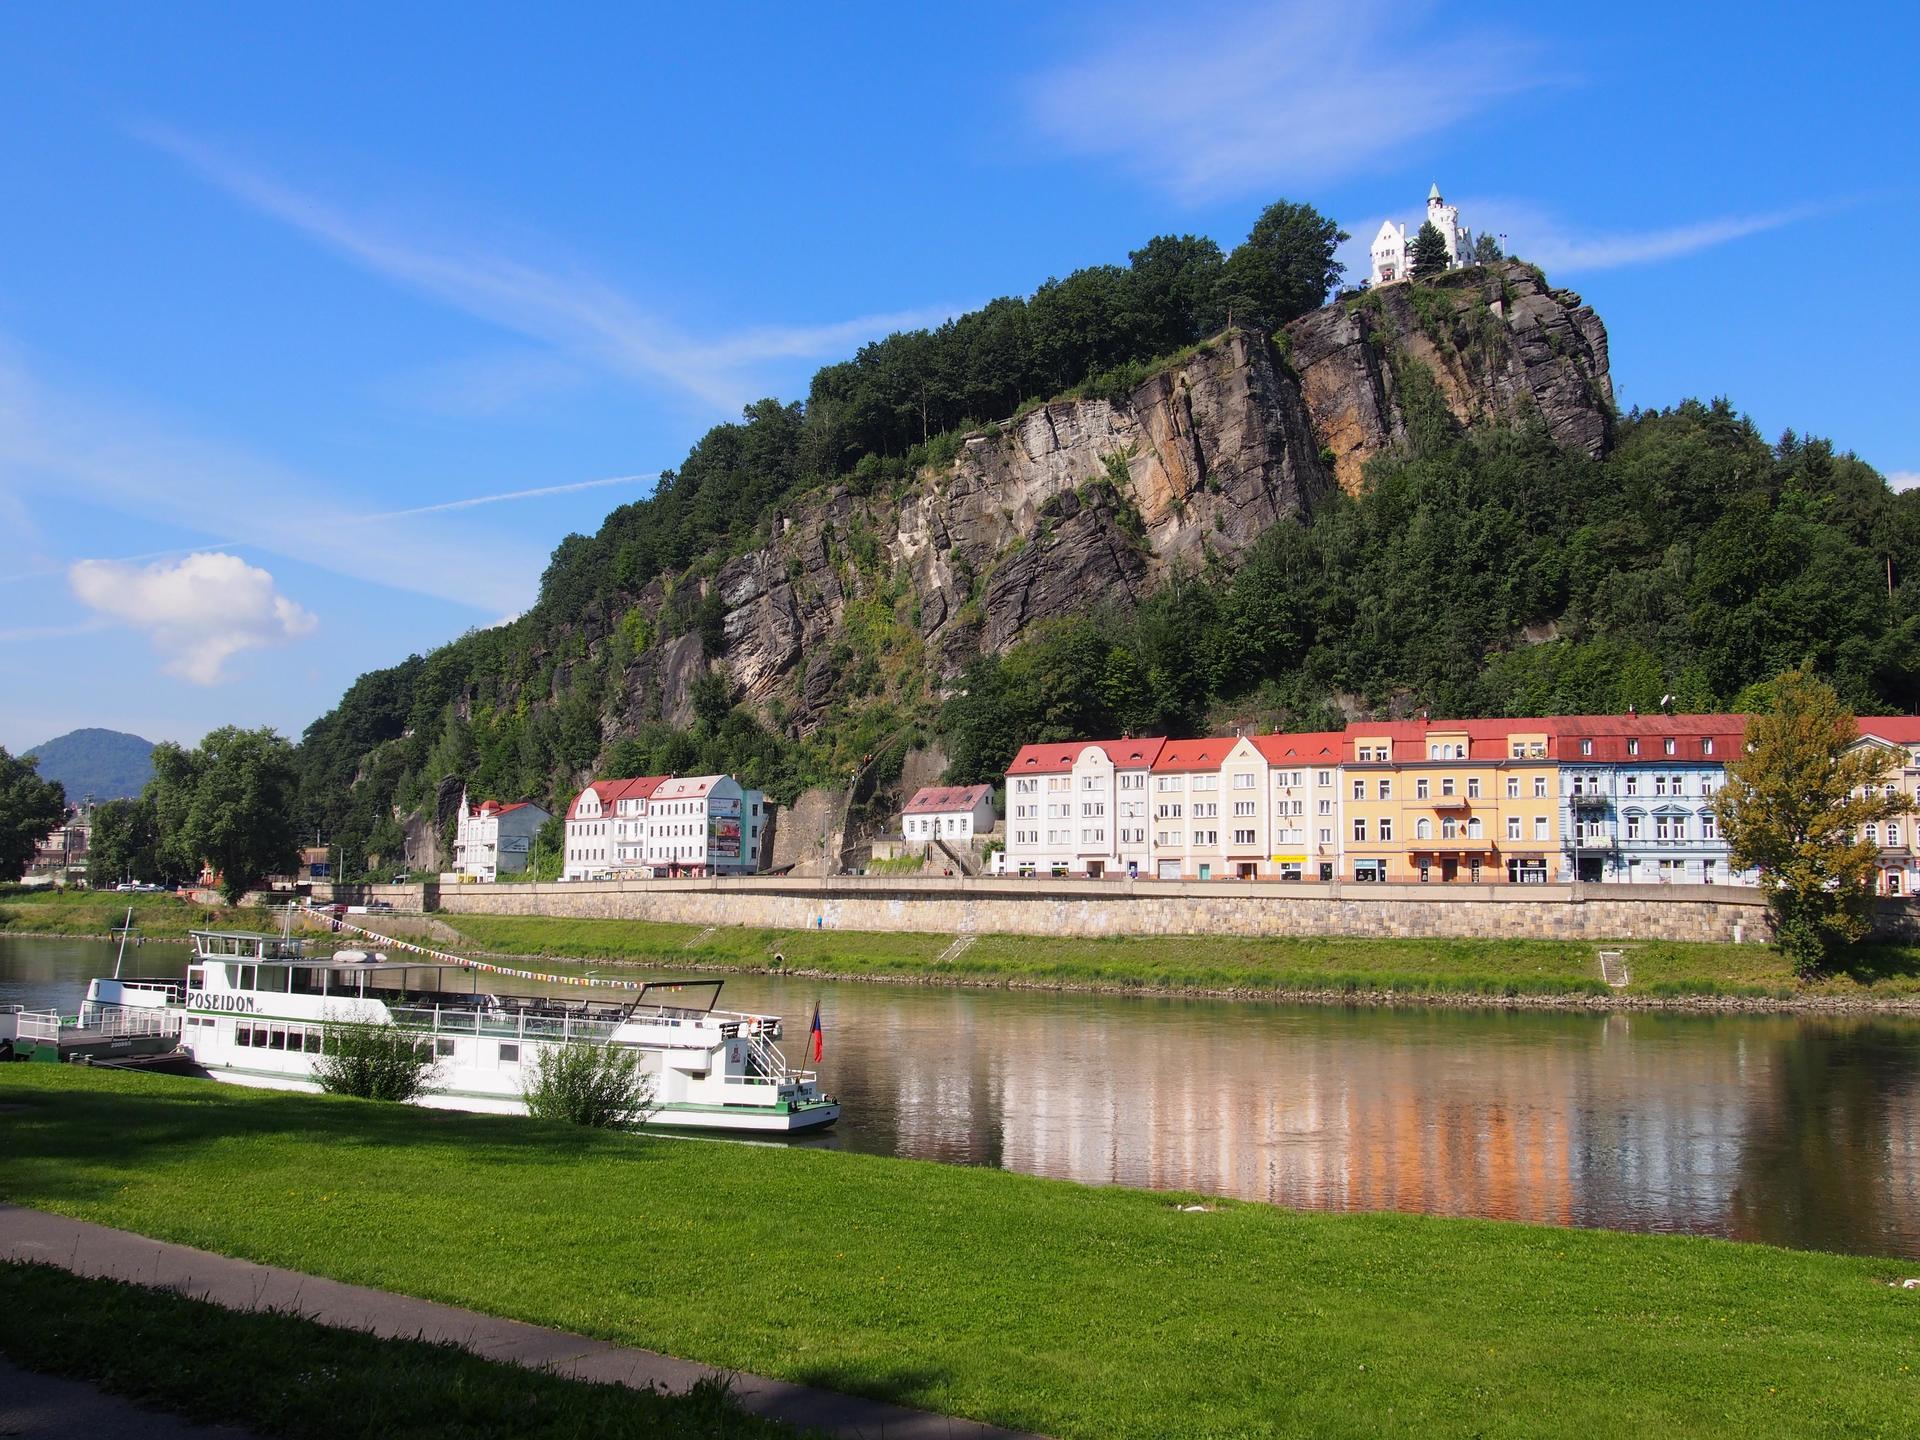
(1217, 963)
(100, 912)
(1035, 1303)
(277, 1374)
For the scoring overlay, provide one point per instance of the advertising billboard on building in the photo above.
(723, 831)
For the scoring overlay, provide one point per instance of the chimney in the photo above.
(1633, 709)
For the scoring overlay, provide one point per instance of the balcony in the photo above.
(1452, 802)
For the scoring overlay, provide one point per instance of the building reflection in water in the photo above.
(1797, 1131)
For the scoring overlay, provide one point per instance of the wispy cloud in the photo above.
(538, 492)
(107, 454)
(1562, 249)
(576, 313)
(1228, 99)
(1903, 479)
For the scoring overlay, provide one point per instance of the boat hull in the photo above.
(731, 1119)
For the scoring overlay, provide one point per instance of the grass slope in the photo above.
(1495, 967)
(1035, 1303)
(99, 912)
(278, 1374)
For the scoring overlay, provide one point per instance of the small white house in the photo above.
(947, 812)
(1392, 251)
(494, 839)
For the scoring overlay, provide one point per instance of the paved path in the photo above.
(88, 1249)
(41, 1407)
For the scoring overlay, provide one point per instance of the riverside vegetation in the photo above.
(1032, 1303)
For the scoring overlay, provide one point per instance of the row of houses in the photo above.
(1602, 799)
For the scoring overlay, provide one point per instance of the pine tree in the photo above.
(1429, 252)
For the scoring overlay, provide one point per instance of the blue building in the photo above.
(1635, 798)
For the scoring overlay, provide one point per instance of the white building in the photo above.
(1393, 249)
(1304, 771)
(492, 839)
(947, 812)
(607, 828)
(1081, 808)
(704, 825)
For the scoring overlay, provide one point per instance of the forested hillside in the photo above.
(1418, 497)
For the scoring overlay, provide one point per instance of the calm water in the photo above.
(1799, 1131)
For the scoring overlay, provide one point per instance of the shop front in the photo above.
(1468, 864)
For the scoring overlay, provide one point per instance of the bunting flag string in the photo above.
(444, 957)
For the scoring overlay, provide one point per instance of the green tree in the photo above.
(1429, 252)
(1486, 250)
(124, 844)
(229, 802)
(1285, 267)
(594, 1085)
(30, 809)
(1793, 807)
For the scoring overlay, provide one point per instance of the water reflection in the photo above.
(1798, 1131)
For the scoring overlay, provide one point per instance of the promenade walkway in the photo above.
(96, 1250)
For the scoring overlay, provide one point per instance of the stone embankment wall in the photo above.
(1123, 907)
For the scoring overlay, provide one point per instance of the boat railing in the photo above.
(106, 1021)
(501, 1024)
(39, 1025)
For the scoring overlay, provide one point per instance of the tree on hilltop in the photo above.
(1429, 252)
(30, 810)
(1793, 808)
(1285, 268)
(1486, 250)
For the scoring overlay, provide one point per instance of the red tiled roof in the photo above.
(1058, 758)
(610, 791)
(1609, 735)
(1895, 729)
(687, 787)
(946, 799)
(1205, 753)
(494, 807)
(1301, 747)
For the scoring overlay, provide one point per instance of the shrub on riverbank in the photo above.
(373, 1062)
(1038, 1304)
(600, 1086)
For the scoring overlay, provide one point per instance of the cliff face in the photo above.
(1495, 340)
(1080, 502)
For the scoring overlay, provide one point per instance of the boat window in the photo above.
(273, 978)
(509, 1053)
(442, 1045)
(309, 980)
(248, 975)
(276, 1039)
(313, 1042)
(242, 1035)
(259, 1037)
(196, 977)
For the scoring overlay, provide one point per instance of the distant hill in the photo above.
(106, 764)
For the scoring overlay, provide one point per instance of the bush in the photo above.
(373, 1062)
(597, 1085)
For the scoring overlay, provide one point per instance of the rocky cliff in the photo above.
(1082, 501)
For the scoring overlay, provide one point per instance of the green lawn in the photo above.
(1034, 1303)
(1516, 967)
(99, 912)
(277, 1374)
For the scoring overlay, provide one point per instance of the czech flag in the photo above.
(817, 1035)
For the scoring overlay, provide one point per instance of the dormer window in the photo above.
(1586, 747)
(1672, 746)
(1706, 746)
(1633, 747)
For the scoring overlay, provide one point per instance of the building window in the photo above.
(1446, 785)
(1473, 787)
(1709, 825)
(1449, 828)
(1423, 829)
(1633, 747)
(1671, 745)
(1323, 777)
(1359, 827)
(1586, 747)
(1513, 787)
(1386, 789)
(1633, 826)
(1386, 827)
(1893, 832)
(1359, 789)
(1706, 746)
(1243, 837)
(1326, 807)
(1475, 830)
(1420, 788)
(1513, 827)
(1539, 827)
(1243, 782)
(1873, 834)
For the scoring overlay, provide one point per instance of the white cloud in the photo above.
(575, 313)
(199, 612)
(1561, 250)
(1231, 100)
(1903, 479)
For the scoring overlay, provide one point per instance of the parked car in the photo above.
(379, 905)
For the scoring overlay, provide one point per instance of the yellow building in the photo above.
(1472, 801)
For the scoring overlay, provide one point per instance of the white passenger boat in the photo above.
(256, 1008)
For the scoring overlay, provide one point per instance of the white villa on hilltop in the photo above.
(1393, 251)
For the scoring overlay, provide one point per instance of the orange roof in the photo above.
(1059, 757)
(1205, 753)
(1301, 747)
(946, 799)
(1896, 729)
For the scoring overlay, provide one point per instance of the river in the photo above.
(1792, 1129)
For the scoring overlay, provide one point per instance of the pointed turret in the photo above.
(1433, 194)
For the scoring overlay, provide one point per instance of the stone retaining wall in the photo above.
(1145, 907)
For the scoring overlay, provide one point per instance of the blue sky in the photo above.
(287, 298)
